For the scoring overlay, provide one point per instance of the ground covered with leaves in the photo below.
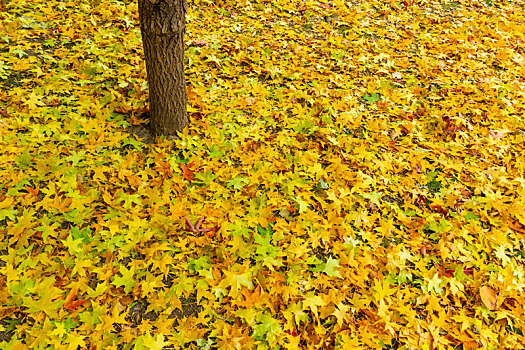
(353, 177)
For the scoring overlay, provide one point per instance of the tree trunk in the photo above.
(162, 25)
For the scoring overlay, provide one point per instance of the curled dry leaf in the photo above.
(489, 297)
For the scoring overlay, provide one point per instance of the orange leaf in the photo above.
(70, 303)
(74, 305)
(470, 345)
(71, 295)
(489, 297)
(187, 173)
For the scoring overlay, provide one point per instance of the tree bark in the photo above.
(163, 25)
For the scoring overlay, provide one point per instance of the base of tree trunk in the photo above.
(146, 135)
(142, 132)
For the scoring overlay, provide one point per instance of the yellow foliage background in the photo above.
(358, 167)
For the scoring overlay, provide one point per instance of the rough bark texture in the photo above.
(163, 24)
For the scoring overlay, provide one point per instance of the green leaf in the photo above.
(129, 199)
(237, 183)
(471, 216)
(9, 213)
(372, 98)
(82, 234)
(329, 267)
(215, 152)
(205, 178)
(267, 327)
(20, 53)
(75, 246)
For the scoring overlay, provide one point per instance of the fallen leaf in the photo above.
(489, 297)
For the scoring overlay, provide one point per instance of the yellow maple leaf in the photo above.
(33, 101)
